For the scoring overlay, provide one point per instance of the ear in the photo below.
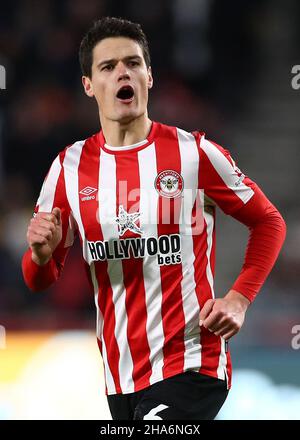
(88, 86)
(150, 78)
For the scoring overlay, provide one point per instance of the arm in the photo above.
(40, 268)
(267, 233)
(50, 232)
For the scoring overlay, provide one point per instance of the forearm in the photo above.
(264, 244)
(39, 277)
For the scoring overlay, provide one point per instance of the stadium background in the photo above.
(222, 67)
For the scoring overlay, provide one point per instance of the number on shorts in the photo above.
(152, 414)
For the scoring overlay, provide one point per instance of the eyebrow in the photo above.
(113, 60)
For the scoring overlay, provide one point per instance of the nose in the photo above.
(123, 72)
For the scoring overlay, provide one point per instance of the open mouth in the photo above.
(125, 93)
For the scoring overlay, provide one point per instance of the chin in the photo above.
(127, 117)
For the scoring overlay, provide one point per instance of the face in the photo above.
(120, 79)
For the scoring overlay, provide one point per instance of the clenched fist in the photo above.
(44, 234)
(224, 316)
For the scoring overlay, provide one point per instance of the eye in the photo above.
(133, 63)
(108, 67)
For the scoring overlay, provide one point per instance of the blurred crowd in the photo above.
(203, 53)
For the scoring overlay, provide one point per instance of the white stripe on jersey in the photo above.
(99, 328)
(107, 182)
(71, 164)
(152, 279)
(46, 197)
(222, 371)
(226, 170)
(189, 158)
(209, 219)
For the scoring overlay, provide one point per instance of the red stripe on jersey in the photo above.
(59, 200)
(168, 157)
(218, 345)
(229, 369)
(128, 195)
(213, 247)
(88, 174)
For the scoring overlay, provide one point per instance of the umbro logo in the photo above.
(87, 191)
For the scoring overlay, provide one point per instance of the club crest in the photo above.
(169, 183)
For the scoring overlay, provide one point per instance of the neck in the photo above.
(118, 134)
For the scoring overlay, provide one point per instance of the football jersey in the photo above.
(145, 216)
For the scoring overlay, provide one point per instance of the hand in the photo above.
(225, 316)
(44, 234)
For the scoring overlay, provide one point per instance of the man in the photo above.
(142, 197)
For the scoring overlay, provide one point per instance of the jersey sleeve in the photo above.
(222, 182)
(52, 194)
(225, 185)
(267, 232)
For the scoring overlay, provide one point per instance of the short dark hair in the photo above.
(108, 27)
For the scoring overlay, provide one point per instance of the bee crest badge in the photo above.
(169, 183)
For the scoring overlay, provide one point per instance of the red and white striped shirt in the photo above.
(145, 215)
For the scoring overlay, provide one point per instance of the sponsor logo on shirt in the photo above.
(169, 184)
(167, 249)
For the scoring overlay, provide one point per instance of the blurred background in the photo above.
(229, 63)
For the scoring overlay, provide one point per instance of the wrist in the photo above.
(239, 298)
(40, 261)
